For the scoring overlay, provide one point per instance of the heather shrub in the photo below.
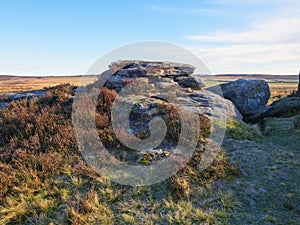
(45, 180)
(39, 125)
(166, 111)
(105, 100)
(170, 115)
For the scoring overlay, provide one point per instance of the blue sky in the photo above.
(62, 37)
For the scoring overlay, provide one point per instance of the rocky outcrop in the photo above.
(249, 96)
(169, 78)
(161, 74)
(138, 68)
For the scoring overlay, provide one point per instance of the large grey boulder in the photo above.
(207, 103)
(212, 105)
(249, 96)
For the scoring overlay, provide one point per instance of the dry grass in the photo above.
(280, 90)
(44, 179)
(18, 84)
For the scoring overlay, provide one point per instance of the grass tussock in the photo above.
(239, 130)
(44, 179)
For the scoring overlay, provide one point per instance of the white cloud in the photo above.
(252, 58)
(254, 53)
(277, 30)
(270, 44)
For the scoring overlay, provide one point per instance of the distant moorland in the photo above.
(280, 85)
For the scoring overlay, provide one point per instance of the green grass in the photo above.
(239, 130)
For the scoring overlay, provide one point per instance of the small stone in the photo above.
(190, 82)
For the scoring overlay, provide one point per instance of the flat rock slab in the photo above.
(20, 95)
(282, 108)
(25, 94)
(138, 68)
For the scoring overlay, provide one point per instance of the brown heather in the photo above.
(44, 179)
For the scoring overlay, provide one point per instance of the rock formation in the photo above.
(173, 78)
(166, 90)
(138, 68)
(161, 73)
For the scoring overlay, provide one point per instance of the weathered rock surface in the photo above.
(137, 68)
(190, 82)
(248, 95)
(118, 82)
(207, 103)
(144, 109)
(213, 105)
(297, 122)
(159, 74)
(285, 107)
(171, 79)
(20, 95)
(259, 113)
(157, 90)
(199, 102)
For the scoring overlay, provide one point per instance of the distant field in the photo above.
(280, 85)
(18, 84)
